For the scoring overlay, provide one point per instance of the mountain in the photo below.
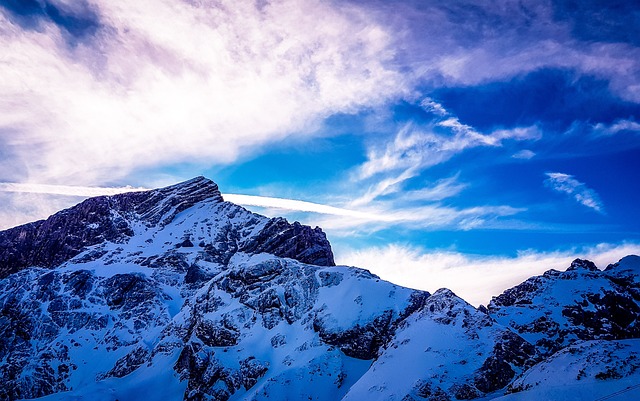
(175, 294)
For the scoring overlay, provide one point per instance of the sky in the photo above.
(460, 144)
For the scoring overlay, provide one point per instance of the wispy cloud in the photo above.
(567, 184)
(473, 277)
(301, 206)
(336, 218)
(463, 42)
(163, 82)
(66, 190)
(441, 189)
(616, 127)
(524, 154)
(415, 148)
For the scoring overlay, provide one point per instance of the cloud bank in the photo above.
(475, 278)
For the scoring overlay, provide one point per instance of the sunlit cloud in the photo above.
(164, 82)
(567, 184)
(475, 278)
(66, 190)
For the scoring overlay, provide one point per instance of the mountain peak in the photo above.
(582, 264)
(118, 218)
(159, 206)
(628, 264)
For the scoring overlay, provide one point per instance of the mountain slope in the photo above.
(582, 303)
(175, 294)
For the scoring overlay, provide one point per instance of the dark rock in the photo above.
(216, 334)
(128, 363)
(362, 342)
(195, 274)
(578, 264)
(465, 392)
(431, 392)
(50, 242)
(293, 241)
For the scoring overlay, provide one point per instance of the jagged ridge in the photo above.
(176, 294)
(50, 242)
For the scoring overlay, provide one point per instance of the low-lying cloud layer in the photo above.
(475, 278)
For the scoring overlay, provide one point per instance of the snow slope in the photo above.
(175, 294)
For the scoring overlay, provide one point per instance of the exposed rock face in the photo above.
(583, 303)
(178, 295)
(456, 352)
(66, 234)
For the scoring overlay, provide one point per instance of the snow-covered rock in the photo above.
(175, 294)
(587, 370)
(582, 303)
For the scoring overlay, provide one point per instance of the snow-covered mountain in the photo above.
(175, 294)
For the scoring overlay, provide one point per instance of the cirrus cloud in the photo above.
(567, 184)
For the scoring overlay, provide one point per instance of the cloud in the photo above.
(300, 206)
(442, 189)
(616, 127)
(342, 221)
(164, 82)
(567, 184)
(414, 148)
(475, 278)
(66, 190)
(524, 154)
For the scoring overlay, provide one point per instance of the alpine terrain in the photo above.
(175, 294)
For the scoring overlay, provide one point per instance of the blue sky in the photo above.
(447, 138)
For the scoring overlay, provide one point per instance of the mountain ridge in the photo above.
(175, 294)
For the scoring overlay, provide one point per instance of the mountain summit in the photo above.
(118, 218)
(175, 294)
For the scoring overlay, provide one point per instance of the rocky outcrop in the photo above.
(66, 234)
(294, 241)
(558, 309)
(188, 297)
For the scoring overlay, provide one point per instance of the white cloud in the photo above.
(299, 206)
(616, 127)
(391, 164)
(475, 278)
(66, 190)
(168, 81)
(434, 107)
(524, 154)
(415, 148)
(442, 189)
(567, 184)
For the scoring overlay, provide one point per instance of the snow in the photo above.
(280, 313)
(580, 372)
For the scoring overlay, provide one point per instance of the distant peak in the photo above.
(582, 264)
(630, 263)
